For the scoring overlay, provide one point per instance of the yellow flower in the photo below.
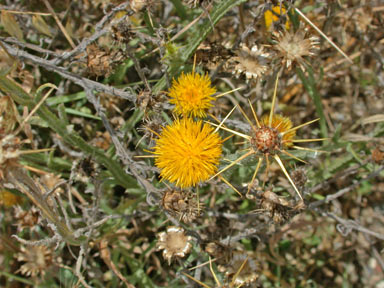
(187, 152)
(9, 199)
(192, 94)
(273, 15)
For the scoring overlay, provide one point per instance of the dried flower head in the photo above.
(101, 62)
(9, 143)
(242, 272)
(242, 269)
(26, 218)
(181, 204)
(187, 152)
(9, 199)
(251, 62)
(37, 260)
(377, 155)
(293, 46)
(277, 207)
(275, 16)
(151, 127)
(299, 177)
(174, 242)
(271, 136)
(192, 94)
(9, 152)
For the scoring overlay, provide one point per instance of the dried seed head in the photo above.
(299, 177)
(377, 155)
(277, 207)
(247, 274)
(101, 61)
(266, 140)
(222, 253)
(174, 243)
(271, 137)
(26, 219)
(37, 260)
(292, 47)
(182, 205)
(251, 62)
(123, 32)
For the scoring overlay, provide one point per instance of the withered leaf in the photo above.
(39, 23)
(10, 25)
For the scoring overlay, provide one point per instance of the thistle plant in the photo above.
(73, 173)
(271, 136)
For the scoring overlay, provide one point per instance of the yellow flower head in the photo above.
(187, 152)
(192, 94)
(273, 15)
(9, 199)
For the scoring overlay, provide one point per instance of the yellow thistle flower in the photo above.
(8, 199)
(187, 152)
(273, 15)
(192, 94)
(271, 136)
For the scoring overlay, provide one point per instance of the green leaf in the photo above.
(11, 26)
(11, 88)
(310, 85)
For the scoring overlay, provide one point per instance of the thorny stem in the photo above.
(137, 67)
(345, 190)
(99, 31)
(79, 80)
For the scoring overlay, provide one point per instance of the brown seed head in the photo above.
(247, 274)
(266, 140)
(26, 218)
(251, 62)
(37, 259)
(182, 205)
(174, 242)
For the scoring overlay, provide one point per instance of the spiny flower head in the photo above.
(273, 15)
(192, 94)
(271, 137)
(187, 152)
